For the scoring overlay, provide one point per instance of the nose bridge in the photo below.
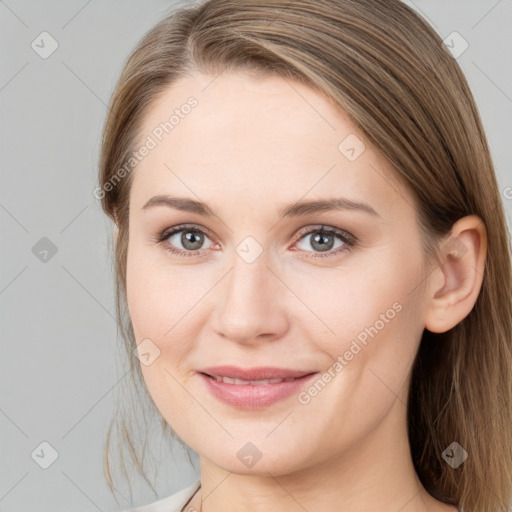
(249, 260)
(249, 305)
(249, 283)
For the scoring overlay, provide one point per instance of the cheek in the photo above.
(160, 306)
(165, 303)
(370, 314)
(158, 295)
(343, 302)
(377, 327)
(146, 301)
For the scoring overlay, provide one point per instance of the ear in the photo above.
(455, 284)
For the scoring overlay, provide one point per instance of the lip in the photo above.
(256, 373)
(254, 396)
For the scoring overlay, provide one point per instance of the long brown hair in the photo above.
(391, 73)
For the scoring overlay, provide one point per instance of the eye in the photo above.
(188, 240)
(323, 240)
(183, 240)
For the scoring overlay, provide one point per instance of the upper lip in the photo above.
(256, 373)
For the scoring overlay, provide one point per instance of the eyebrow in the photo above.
(293, 210)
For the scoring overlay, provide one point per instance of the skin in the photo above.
(252, 145)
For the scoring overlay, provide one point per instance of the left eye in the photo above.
(324, 240)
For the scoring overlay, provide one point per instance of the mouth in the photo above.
(256, 374)
(253, 388)
(242, 382)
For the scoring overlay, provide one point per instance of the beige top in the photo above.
(174, 503)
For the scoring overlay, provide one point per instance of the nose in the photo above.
(251, 306)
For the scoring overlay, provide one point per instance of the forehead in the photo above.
(264, 136)
(254, 113)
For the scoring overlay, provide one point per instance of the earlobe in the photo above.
(455, 284)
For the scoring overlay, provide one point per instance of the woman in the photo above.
(314, 259)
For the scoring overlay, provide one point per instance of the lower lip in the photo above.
(251, 396)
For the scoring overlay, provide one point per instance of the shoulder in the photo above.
(173, 503)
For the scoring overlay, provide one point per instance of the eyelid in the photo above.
(347, 238)
(167, 232)
(164, 235)
(326, 229)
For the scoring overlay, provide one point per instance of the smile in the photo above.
(253, 394)
(241, 382)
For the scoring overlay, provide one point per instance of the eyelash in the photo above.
(349, 240)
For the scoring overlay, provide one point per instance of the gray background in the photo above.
(59, 372)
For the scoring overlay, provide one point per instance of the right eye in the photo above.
(190, 237)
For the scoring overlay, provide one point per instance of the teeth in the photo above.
(265, 382)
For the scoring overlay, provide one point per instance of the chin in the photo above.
(253, 459)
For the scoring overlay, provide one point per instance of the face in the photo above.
(333, 294)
